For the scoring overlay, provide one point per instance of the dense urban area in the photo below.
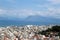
(30, 32)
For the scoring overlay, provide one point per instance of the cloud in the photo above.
(2, 12)
(46, 10)
(16, 13)
(51, 9)
(55, 1)
(51, 12)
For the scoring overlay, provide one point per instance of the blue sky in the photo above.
(25, 8)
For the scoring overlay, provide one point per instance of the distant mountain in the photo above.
(33, 20)
(37, 18)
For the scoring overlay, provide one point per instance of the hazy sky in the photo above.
(25, 8)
